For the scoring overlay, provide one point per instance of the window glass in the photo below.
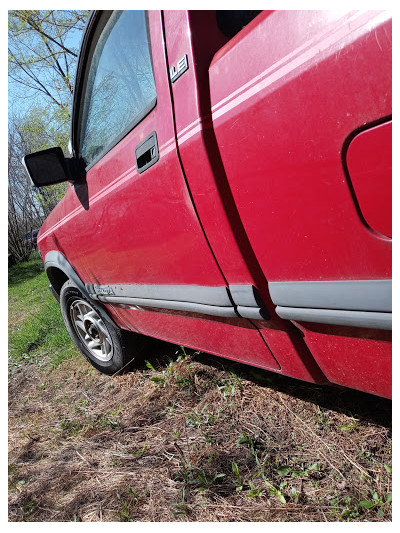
(231, 22)
(120, 85)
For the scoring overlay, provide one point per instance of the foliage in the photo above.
(40, 56)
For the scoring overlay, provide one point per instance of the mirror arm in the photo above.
(75, 168)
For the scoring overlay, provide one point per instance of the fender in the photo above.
(56, 260)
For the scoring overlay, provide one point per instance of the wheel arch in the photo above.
(59, 270)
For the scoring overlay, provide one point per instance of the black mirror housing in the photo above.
(50, 166)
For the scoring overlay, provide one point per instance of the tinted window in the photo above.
(231, 22)
(120, 87)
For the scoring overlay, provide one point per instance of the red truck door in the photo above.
(287, 92)
(277, 98)
(135, 238)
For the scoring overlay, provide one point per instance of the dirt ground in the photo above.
(197, 439)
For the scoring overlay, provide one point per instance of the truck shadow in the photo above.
(351, 402)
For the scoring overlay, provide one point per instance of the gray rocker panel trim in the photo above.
(217, 301)
(351, 295)
(364, 319)
(248, 301)
(57, 260)
(245, 295)
(179, 293)
(174, 305)
(255, 313)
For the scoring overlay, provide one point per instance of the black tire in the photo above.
(107, 347)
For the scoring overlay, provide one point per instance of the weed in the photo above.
(295, 495)
(207, 481)
(184, 383)
(272, 490)
(181, 509)
(229, 386)
(199, 418)
(28, 507)
(351, 426)
(108, 420)
(125, 515)
(209, 440)
(254, 492)
(285, 470)
(246, 441)
(321, 420)
(239, 481)
(73, 427)
(139, 453)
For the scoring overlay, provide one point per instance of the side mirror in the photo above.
(49, 167)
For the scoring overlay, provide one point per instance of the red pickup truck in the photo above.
(229, 190)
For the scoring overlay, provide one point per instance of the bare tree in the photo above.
(40, 60)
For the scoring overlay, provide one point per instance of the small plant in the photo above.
(229, 386)
(351, 426)
(295, 495)
(181, 509)
(184, 383)
(165, 374)
(209, 440)
(125, 512)
(376, 502)
(254, 492)
(73, 427)
(239, 481)
(208, 481)
(139, 453)
(199, 418)
(321, 420)
(108, 420)
(285, 470)
(247, 441)
(272, 490)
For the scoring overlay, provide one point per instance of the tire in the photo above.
(107, 347)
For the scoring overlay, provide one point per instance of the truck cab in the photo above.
(229, 190)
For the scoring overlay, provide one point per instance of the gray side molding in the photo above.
(351, 295)
(57, 260)
(248, 301)
(182, 293)
(239, 300)
(170, 304)
(255, 313)
(363, 319)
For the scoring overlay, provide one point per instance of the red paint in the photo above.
(234, 338)
(369, 162)
(281, 138)
(353, 357)
(250, 186)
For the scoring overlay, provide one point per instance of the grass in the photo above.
(36, 328)
(184, 437)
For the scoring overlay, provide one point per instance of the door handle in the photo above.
(146, 153)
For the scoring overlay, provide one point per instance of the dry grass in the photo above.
(86, 447)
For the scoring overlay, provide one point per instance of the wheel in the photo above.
(107, 347)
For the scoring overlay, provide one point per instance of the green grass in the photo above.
(36, 328)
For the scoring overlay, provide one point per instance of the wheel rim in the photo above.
(91, 329)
